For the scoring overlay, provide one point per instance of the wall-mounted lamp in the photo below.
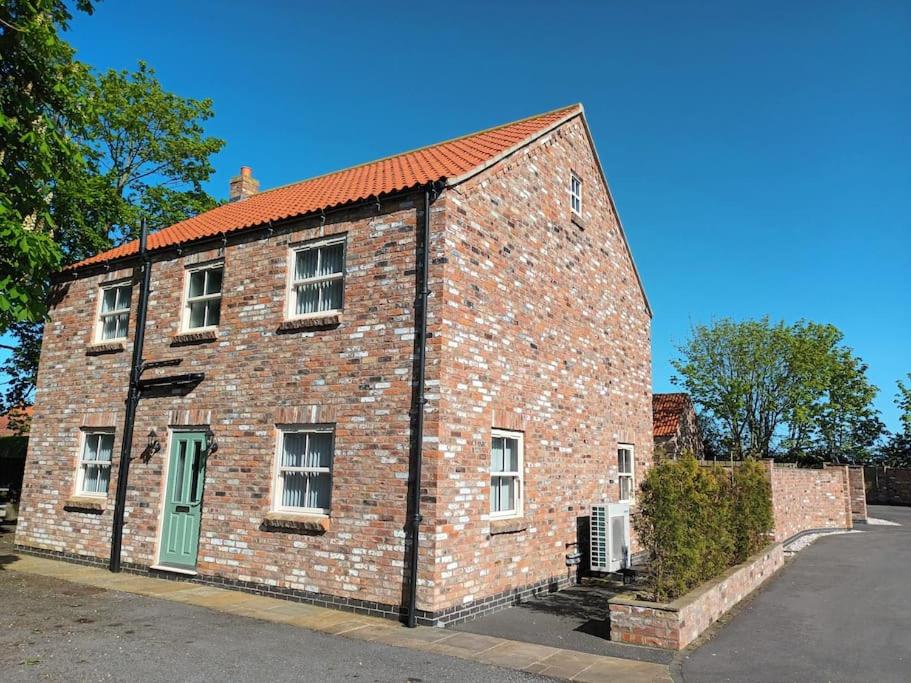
(212, 441)
(153, 445)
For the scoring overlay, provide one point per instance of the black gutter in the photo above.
(414, 475)
(222, 237)
(133, 394)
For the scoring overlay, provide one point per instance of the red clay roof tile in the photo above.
(666, 412)
(449, 159)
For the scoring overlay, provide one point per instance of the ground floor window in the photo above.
(94, 471)
(506, 459)
(303, 481)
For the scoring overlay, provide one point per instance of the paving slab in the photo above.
(515, 655)
(567, 664)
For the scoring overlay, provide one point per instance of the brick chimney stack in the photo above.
(243, 185)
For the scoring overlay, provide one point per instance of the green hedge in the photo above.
(696, 521)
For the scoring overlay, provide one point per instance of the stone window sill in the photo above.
(507, 526)
(200, 337)
(311, 323)
(295, 523)
(85, 504)
(578, 221)
(106, 347)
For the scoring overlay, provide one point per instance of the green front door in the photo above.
(183, 499)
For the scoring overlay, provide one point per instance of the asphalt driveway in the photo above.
(841, 611)
(53, 630)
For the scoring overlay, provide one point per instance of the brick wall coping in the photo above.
(695, 594)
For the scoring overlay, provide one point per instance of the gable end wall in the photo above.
(546, 330)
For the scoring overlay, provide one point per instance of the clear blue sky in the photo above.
(759, 152)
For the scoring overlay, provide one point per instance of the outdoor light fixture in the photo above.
(153, 445)
(213, 442)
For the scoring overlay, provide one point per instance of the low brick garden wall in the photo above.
(806, 499)
(675, 625)
(858, 493)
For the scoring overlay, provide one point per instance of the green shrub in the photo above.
(752, 509)
(696, 521)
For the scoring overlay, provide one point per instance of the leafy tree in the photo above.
(897, 449)
(845, 424)
(40, 109)
(148, 151)
(135, 150)
(768, 389)
(903, 401)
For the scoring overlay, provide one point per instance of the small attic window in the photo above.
(575, 194)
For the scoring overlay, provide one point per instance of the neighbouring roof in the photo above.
(666, 412)
(444, 160)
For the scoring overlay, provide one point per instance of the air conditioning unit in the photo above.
(609, 547)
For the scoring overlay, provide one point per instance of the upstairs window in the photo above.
(506, 474)
(94, 471)
(114, 316)
(575, 194)
(303, 480)
(203, 301)
(625, 465)
(317, 279)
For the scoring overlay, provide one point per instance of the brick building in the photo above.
(676, 426)
(295, 317)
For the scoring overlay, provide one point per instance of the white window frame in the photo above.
(187, 299)
(277, 479)
(631, 475)
(519, 475)
(292, 284)
(575, 197)
(100, 316)
(82, 463)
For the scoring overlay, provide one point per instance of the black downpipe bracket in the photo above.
(133, 394)
(414, 479)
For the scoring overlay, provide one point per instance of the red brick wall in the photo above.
(805, 499)
(546, 331)
(536, 323)
(858, 493)
(359, 373)
(675, 625)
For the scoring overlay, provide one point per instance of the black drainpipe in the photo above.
(123, 473)
(414, 478)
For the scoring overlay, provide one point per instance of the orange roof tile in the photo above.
(449, 159)
(666, 412)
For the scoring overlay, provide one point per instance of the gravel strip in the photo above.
(802, 542)
(881, 522)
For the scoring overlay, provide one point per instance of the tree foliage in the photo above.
(84, 156)
(695, 522)
(903, 401)
(897, 449)
(770, 389)
(147, 150)
(40, 108)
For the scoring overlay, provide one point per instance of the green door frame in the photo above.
(183, 500)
